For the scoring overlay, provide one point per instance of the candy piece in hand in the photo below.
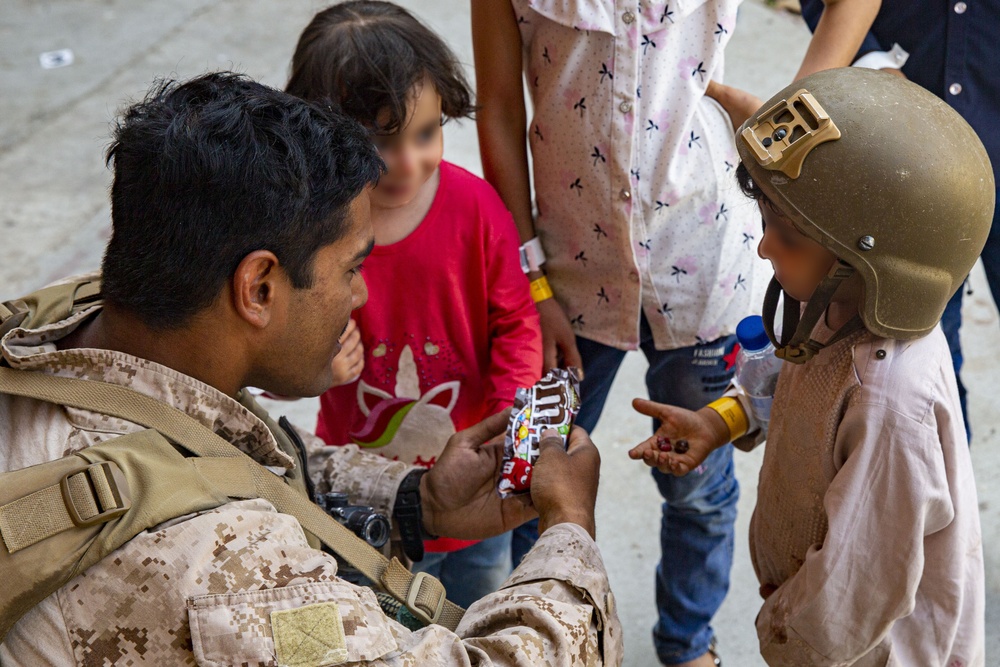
(681, 446)
(663, 443)
(551, 404)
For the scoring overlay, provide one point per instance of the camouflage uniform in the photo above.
(205, 588)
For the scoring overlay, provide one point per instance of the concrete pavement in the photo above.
(54, 221)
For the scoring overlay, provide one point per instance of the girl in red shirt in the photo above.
(449, 331)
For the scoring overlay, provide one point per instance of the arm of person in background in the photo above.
(841, 29)
(501, 122)
(887, 61)
(514, 333)
(739, 104)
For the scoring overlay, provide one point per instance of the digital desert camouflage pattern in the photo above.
(201, 589)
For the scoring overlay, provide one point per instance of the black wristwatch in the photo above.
(409, 516)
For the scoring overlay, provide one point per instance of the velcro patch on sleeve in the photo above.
(310, 636)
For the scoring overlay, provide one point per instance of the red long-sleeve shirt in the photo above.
(449, 330)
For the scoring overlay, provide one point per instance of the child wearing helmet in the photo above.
(876, 199)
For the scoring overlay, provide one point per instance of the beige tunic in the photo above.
(866, 517)
(201, 589)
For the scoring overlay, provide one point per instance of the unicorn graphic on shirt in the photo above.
(408, 426)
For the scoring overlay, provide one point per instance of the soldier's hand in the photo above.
(459, 495)
(684, 439)
(350, 361)
(564, 482)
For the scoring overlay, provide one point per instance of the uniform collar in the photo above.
(36, 350)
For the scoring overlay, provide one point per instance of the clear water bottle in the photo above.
(757, 367)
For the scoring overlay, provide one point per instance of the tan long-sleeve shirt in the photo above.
(867, 519)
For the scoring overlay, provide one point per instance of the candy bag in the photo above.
(553, 402)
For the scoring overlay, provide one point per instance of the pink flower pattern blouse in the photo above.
(637, 205)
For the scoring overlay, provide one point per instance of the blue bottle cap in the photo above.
(751, 334)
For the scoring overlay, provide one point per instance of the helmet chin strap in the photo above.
(797, 345)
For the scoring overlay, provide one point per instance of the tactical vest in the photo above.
(59, 518)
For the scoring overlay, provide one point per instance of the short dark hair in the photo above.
(368, 56)
(747, 185)
(210, 170)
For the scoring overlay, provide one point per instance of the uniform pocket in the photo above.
(309, 625)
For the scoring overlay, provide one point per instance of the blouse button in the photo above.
(960, 7)
(628, 17)
(955, 88)
(625, 195)
(625, 107)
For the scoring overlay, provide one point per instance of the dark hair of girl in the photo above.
(747, 186)
(368, 56)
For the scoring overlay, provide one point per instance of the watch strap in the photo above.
(409, 516)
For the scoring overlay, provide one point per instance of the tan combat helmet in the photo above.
(887, 177)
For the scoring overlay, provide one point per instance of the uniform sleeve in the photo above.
(555, 609)
(889, 493)
(515, 333)
(367, 479)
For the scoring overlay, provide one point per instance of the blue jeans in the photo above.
(470, 573)
(951, 320)
(697, 529)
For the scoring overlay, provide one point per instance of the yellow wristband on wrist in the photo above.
(540, 290)
(732, 413)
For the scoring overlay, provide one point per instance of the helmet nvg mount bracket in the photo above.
(887, 177)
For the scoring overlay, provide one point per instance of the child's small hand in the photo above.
(347, 365)
(684, 439)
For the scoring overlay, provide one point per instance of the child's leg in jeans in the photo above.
(473, 572)
(699, 510)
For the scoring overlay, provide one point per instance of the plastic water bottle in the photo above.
(756, 367)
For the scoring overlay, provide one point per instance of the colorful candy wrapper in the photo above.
(552, 403)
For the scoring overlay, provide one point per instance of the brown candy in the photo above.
(681, 446)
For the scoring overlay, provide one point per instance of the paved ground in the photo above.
(54, 221)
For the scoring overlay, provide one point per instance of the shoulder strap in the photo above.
(49, 304)
(239, 476)
(59, 518)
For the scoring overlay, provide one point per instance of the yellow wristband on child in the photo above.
(540, 290)
(732, 413)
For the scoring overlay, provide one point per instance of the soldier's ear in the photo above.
(255, 283)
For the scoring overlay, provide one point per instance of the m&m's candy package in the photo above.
(552, 403)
